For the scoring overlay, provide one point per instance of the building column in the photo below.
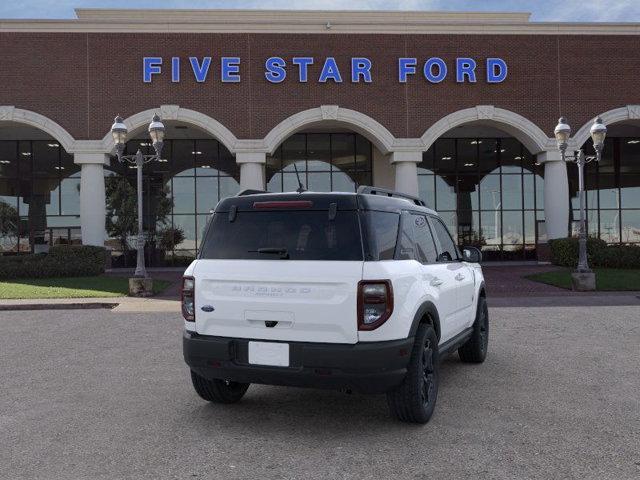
(406, 166)
(92, 197)
(251, 170)
(556, 194)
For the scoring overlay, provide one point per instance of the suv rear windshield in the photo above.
(286, 234)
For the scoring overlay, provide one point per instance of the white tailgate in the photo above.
(311, 301)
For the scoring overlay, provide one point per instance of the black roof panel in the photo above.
(321, 201)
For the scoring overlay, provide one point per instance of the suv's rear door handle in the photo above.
(436, 282)
(459, 277)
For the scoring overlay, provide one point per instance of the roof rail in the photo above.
(249, 191)
(368, 190)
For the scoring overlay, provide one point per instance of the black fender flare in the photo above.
(427, 308)
(482, 291)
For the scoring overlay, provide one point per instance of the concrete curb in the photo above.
(57, 306)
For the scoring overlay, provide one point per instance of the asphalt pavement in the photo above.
(105, 394)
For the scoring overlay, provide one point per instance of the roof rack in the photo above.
(249, 191)
(368, 190)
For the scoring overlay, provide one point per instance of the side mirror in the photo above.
(471, 255)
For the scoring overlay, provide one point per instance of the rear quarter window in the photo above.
(381, 234)
(303, 234)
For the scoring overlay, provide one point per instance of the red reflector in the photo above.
(284, 204)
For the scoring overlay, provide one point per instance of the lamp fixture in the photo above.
(156, 133)
(583, 278)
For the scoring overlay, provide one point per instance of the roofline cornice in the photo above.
(311, 22)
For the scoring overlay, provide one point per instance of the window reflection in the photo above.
(612, 191)
(487, 190)
(325, 162)
(39, 196)
(179, 191)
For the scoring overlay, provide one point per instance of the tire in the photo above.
(475, 349)
(218, 391)
(415, 399)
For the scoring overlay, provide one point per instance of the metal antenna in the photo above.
(300, 188)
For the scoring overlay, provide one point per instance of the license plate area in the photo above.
(269, 353)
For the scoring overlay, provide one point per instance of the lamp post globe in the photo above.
(156, 132)
(562, 133)
(119, 132)
(598, 134)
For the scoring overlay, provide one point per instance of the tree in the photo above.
(9, 223)
(122, 210)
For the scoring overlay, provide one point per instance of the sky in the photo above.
(542, 10)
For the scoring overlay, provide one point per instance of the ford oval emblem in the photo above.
(207, 308)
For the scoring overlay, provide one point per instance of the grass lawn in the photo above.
(607, 279)
(73, 287)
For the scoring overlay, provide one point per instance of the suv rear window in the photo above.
(286, 234)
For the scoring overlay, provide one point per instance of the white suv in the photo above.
(352, 291)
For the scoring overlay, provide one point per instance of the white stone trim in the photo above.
(617, 115)
(516, 125)
(382, 138)
(175, 112)
(9, 113)
(414, 156)
(549, 156)
(251, 157)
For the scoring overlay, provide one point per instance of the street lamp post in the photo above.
(583, 278)
(156, 132)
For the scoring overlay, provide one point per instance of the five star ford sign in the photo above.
(361, 69)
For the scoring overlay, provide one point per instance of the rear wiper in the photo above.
(283, 252)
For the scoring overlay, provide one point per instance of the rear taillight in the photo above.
(188, 299)
(375, 303)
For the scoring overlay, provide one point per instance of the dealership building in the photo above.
(457, 108)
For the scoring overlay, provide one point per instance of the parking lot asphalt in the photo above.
(101, 394)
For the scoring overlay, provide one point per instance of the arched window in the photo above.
(179, 192)
(489, 192)
(612, 188)
(39, 193)
(325, 162)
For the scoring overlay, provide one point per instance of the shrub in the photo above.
(620, 256)
(169, 238)
(61, 261)
(564, 252)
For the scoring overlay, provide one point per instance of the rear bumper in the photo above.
(373, 367)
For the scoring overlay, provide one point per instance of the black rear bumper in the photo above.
(372, 367)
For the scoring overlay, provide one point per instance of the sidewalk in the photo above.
(506, 287)
(117, 304)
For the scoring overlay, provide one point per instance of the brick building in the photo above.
(458, 108)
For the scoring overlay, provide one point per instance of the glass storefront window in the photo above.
(39, 193)
(612, 191)
(179, 192)
(490, 191)
(630, 222)
(325, 162)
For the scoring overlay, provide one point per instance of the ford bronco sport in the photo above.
(357, 291)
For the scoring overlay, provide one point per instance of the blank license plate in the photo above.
(269, 353)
